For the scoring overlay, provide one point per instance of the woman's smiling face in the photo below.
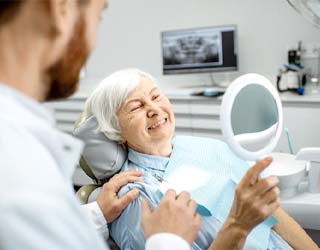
(146, 119)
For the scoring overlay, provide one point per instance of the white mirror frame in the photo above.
(225, 115)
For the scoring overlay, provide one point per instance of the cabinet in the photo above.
(197, 116)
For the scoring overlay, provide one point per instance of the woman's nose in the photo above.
(153, 110)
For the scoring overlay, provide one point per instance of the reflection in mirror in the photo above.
(254, 117)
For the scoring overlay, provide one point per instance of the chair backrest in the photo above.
(101, 157)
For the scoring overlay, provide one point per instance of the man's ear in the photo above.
(63, 15)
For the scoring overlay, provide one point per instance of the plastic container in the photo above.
(291, 173)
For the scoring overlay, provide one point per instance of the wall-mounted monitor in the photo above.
(198, 50)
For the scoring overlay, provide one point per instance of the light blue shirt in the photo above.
(127, 231)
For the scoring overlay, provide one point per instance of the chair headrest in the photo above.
(103, 156)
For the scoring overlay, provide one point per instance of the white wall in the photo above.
(129, 35)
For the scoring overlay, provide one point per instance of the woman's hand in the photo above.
(109, 202)
(255, 199)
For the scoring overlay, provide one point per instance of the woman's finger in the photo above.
(274, 205)
(253, 173)
(271, 195)
(264, 185)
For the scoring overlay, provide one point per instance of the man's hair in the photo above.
(9, 9)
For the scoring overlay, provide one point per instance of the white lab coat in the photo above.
(38, 208)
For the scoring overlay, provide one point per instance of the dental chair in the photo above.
(100, 160)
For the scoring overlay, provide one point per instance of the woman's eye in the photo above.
(134, 108)
(156, 97)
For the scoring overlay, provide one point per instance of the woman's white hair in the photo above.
(108, 97)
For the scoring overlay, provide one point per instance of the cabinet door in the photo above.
(67, 112)
(205, 120)
(181, 109)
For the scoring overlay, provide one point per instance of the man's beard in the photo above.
(64, 74)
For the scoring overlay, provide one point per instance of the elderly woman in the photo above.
(131, 110)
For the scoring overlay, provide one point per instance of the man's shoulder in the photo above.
(22, 155)
(17, 140)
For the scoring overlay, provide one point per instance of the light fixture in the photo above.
(310, 9)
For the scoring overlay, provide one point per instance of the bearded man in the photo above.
(43, 46)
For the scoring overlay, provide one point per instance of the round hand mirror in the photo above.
(251, 117)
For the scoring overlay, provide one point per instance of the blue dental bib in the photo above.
(210, 172)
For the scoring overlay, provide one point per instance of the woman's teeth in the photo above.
(158, 124)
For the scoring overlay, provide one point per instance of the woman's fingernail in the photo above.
(269, 158)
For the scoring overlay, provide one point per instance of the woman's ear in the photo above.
(123, 143)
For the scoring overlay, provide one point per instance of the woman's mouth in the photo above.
(157, 124)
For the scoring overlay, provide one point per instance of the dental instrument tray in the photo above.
(208, 93)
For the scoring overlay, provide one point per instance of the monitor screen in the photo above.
(199, 50)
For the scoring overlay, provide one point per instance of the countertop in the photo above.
(287, 97)
(185, 94)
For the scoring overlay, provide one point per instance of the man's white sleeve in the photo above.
(96, 216)
(166, 241)
(161, 241)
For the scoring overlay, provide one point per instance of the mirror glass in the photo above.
(251, 117)
(254, 117)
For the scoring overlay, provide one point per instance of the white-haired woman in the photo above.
(131, 109)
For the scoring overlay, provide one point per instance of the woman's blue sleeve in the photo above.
(126, 230)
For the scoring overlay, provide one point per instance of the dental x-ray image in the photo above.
(191, 48)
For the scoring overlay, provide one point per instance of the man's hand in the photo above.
(255, 199)
(174, 214)
(109, 202)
